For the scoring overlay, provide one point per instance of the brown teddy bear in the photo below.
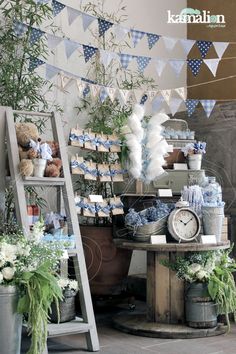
(29, 143)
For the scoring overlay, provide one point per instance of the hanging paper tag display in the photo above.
(77, 165)
(91, 171)
(115, 143)
(116, 172)
(89, 209)
(104, 173)
(76, 137)
(102, 142)
(89, 140)
(103, 209)
(116, 206)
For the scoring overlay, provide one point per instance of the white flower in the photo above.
(1, 278)
(2, 260)
(9, 252)
(202, 274)
(194, 268)
(73, 285)
(8, 273)
(63, 282)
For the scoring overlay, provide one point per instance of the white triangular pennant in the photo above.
(208, 106)
(111, 91)
(182, 92)
(159, 65)
(166, 95)
(87, 20)
(72, 14)
(94, 89)
(169, 42)
(53, 41)
(187, 45)
(81, 86)
(220, 48)
(138, 94)
(124, 95)
(64, 80)
(151, 95)
(51, 71)
(212, 64)
(70, 47)
(106, 57)
(120, 32)
(177, 65)
(174, 104)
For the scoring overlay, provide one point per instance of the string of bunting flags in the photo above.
(172, 97)
(123, 58)
(136, 35)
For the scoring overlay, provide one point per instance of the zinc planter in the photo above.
(200, 310)
(10, 321)
(195, 161)
(212, 219)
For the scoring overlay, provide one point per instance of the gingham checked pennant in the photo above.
(125, 59)
(136, 36)
(152, 39)
(19, 28)
(191, 105)
(208, 106)
(203, 47)
(103, 26)
(195, 65)
(88, 52)
(57, 7)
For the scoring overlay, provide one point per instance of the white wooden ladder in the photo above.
(86, 324)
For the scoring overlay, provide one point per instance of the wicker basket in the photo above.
(176, 124)
(66, 309)
(143, 233)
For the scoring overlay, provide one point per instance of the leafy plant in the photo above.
(214, 268)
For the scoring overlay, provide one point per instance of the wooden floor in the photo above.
(113, 341)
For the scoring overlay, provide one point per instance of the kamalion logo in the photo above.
(189, 15)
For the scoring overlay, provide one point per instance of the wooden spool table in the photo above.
(165, 294)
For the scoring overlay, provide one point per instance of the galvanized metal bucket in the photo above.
(200, 310)
(212, 219)
(10, 321)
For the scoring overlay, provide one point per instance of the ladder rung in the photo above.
(72, 252)
(44, 181)
(72, 327)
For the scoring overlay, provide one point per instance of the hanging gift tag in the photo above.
(116, 206)
(76, 137)
(91, 171)
(89, 209)
(115, 143)
(77, 165)
(103, 209)
(78, 203)
(89, 140)
(116, 172)
(102, 143)
(104, 173)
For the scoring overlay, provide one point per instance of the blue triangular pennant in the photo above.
(86, 91)
(53, 41)
(34, 63)
(103, 94)
(19, 28)
(70, 47)
(51, 71)
(142, 62)
(125, 59)
(87, 20)
(191, 105)
(204, 46)
(208, 106)
(103, 26)
(57, 7)
(152, 39)
(195, 65)
(136, 36)
(35, 35)
(174, 104)
(156, 103)
(88, 52)
(72, 14)
(177, 65)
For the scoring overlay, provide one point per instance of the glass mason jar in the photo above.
(212, 193)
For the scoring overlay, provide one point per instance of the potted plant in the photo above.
(28, 285)
(210, 287)
(194, 152)
(69, 288)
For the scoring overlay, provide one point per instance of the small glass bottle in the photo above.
(212, 193)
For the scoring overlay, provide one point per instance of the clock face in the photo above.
(185, 224)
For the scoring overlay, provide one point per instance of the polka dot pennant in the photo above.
(86, 90)
(144, 99)
(103, 26)
(57, 7)
(152, 39)
(204, 46)
(142, 62)
(88, 52)
(35, 35)
(191, 105)
(34, 63)
(195, 65)
(136, 36)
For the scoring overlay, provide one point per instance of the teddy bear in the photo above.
(31, 147)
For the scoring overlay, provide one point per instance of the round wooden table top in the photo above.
(170, 247)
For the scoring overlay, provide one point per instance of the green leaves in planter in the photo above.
(41, 290)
